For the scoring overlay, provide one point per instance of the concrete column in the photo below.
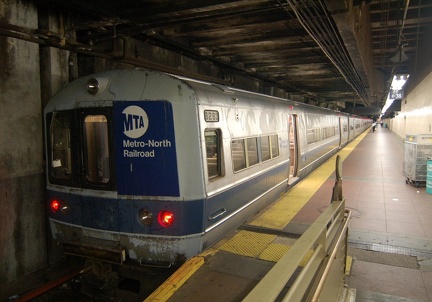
(57, 68)
(22, 209)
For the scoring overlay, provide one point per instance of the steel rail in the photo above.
(49, 286)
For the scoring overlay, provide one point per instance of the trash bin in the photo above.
(429, 176)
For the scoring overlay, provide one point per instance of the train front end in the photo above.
(115, 179)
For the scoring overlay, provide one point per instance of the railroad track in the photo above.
(74, 282)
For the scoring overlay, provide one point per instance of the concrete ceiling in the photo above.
(327, 51)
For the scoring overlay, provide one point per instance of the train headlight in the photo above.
(92, 86)
(166, 218)
(64, 207)
(145, 217)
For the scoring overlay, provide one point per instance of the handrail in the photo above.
(315, 238)
(324, 237)
(332, 257)
(301, 279)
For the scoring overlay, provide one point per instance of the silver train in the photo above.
(148, 167)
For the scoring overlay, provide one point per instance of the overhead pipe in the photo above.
(53, 40)
(403, 22)
(47, 39)
(321, 31)
(341, 60)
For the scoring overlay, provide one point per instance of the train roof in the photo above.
(131, 84)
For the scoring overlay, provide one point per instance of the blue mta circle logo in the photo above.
(135, 122)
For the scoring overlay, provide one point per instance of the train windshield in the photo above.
(96, 148)
(61, 162)
(79, 148)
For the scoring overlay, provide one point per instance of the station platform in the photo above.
(389, 237)
(390, 230)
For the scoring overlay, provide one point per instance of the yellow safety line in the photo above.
(180, 276)
(348, 265)
(281, 213)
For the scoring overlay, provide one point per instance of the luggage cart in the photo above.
(417, 150)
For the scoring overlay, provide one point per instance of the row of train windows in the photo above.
(245, 152)
(318, 134)
(360, 124)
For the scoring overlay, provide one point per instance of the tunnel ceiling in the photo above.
(309, 48)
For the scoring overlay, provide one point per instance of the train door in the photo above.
(340, 131)
(293, 121)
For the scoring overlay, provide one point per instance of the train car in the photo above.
(357, 125)
(154, 168)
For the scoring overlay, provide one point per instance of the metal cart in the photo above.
(417, 149)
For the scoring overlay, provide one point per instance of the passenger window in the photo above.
(238, 154)
(310, 136)
(61, 161)
(252, 151)
(213, 152)
(96, 148)
(265, 148)
(274, 146)
(317, 135)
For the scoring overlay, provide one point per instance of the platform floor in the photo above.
(390, 232)
(390, 235)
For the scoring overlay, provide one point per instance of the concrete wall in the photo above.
(22, 230)
(415, 116)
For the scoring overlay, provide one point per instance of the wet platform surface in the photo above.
(390, 236)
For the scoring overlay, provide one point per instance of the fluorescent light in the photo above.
(398, 83)
(387, 104)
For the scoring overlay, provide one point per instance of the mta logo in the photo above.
(135, 122)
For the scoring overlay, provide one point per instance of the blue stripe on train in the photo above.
(238, 196)
(121, 215)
